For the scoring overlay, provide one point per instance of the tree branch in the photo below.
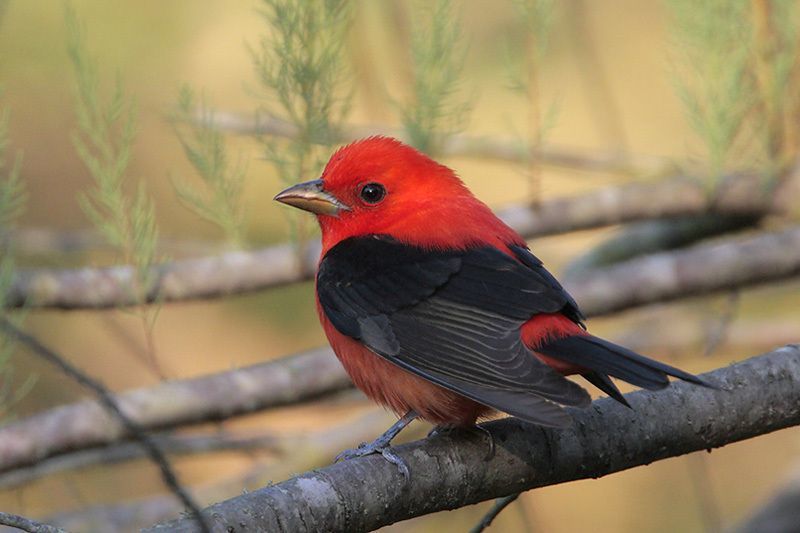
(87, 424)
(658, 278)
(48, 241)
(758, 396)
(241, 272)
(700, 270)
(310, 451)
(480, 147)
(110, 405)
(127, 451)
(26, 524)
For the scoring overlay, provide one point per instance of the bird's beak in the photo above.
(311, 196)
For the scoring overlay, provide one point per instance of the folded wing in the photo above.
(451, 317)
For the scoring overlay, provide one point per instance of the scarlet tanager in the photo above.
(437, 309)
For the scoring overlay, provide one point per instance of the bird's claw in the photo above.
(376, 447)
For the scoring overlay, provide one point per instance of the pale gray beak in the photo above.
(311, 196)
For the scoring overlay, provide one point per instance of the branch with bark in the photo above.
(756, 397)
(170, 444)
(107, 401)
(662, 277)
(87, 424)
(241, 272)
(26, 524)
(311, 451)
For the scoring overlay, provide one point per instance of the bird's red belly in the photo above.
(398, 389)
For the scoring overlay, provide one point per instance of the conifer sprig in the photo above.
(436, 108)
(220, 202)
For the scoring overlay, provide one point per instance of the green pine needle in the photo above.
(204, 146)
(436, 109)
(13, 198)
(300, 64)
(713, 40)
(104, 142)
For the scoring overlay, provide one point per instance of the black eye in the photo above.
(372, 193)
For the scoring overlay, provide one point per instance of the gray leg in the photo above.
(381, 445)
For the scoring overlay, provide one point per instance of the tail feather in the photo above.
(604, 383)
(602, 358)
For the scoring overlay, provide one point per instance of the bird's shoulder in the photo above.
(379, 274)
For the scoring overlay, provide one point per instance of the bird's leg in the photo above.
(477, 428)
(381, 445)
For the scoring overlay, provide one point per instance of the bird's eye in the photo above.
(372, 193)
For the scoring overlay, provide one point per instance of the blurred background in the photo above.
(619, 79)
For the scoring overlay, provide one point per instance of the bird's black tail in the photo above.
(601, 359)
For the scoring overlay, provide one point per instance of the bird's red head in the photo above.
(379, 185)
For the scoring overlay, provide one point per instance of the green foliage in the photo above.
(12, 189)
(713, 42)
(538, 16)
(777, 73)
(104, 141)
(204, 146)
(435, 109)
(12, 204)
(739, 78)
(300, 65)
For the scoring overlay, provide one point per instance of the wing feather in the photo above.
(452, 317)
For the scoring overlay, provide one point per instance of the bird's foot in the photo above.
(475, 429)
(381, 446)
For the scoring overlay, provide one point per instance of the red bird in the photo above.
(437, 309)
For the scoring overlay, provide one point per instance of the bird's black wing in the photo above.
(452, 317)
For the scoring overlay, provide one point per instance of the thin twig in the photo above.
(107, 400)
(496, 509)
(26, 524)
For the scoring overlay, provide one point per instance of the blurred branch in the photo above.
(651, 236)
(113, 409)
(757, 396)
(126, 451)
(311, 451)
(663, 277)
(26, 524)
(49, 241)
(700, 270)
(239, 272)
(478, 147)
(780, 514)
(86, 424)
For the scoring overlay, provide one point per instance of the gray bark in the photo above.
(757, 396)
(87, 424)
(662, 277)
(248, 271)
